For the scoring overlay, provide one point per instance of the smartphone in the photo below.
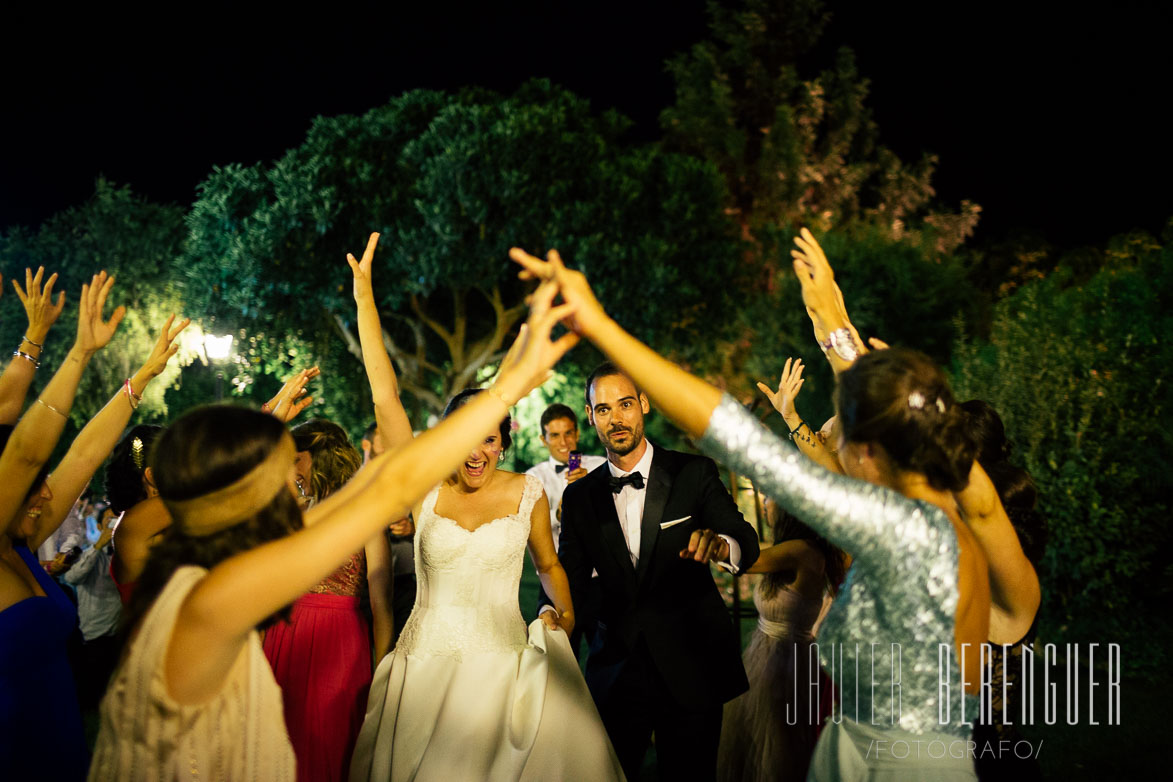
(574, 462)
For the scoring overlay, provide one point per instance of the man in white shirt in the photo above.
(666, 656)
(560, 436)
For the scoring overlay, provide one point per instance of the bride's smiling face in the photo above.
(481, 461)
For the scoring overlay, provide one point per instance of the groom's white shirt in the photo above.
(629, 506)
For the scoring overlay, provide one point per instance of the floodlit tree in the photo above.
(797, 151)
(452, 181)
(136, 241)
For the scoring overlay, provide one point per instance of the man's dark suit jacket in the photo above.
(671, 604)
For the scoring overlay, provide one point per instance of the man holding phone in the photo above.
(565, 466)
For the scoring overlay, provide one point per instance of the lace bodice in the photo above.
(466, 594)
(346, 580)
(902, 587)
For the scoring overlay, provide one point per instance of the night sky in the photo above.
(1052, 120)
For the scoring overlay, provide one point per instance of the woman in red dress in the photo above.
(321, 657)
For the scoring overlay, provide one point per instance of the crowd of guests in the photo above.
(260, 599)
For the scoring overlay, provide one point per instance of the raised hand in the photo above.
(573, 285)
(38, 303)
(788, 387)
(821, 294)
(528, 362)
(288, 403)
(165, 348)
(93, 333)
(362, 269)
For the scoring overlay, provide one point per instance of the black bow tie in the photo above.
(559, 468)
(635, 480)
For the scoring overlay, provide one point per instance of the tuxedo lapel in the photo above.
(659, 485)
(612, 534)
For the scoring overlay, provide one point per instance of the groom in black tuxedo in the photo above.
(666, 656)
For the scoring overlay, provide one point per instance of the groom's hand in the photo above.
(706, 546)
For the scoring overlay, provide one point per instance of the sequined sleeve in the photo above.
(872, 523)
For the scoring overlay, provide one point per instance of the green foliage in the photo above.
(792, 150)
(452, 182)
(132, 239)
(894, 291)
(1080, 373)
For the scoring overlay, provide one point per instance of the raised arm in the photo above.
(389, 413)
(35, 437)
(240, 592)
(1014, 584)
(95, 442)
(824, 304)
(801, 433)
(42, 313)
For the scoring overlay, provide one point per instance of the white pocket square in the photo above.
(674, 522)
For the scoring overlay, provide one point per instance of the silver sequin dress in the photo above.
(900, 595)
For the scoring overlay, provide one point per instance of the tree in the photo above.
(1079, 371)
(794, 151)
(451, 182)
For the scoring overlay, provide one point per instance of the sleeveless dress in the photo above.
(769, 732)
(41, 734)
(893, 617)
(467, 694)
(321, 658)
(144, 735)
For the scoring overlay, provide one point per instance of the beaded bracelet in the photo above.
(131, 396)
(22, 354)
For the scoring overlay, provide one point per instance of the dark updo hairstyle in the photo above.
(462, 398)
(42, 474)
(335, 459)
(124, 471)
(1014, 485)
(204, 450)
(900, 399)
(786, 526)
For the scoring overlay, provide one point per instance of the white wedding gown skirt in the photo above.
(467, 694)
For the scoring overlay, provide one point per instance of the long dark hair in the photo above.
(900, 399)
(207, 449)
(1016, 489)
(127, 465)
(786, 526)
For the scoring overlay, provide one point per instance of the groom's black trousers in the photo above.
(638, 704)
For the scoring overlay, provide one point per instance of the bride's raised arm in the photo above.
(389, 413)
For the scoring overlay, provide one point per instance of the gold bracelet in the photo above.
(34, 344)
(54, 409)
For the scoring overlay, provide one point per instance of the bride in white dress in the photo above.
(468, 693)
